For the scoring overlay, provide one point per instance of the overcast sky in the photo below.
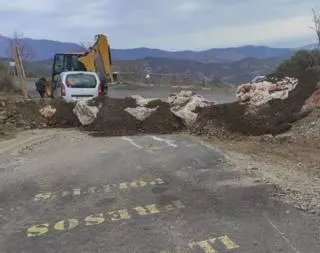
(165, 24)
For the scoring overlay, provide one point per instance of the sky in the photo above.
(164, 24)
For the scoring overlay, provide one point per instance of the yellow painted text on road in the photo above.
(96, 219)
(66, 224)
(204, 245)
(106, 188)
(207, 246)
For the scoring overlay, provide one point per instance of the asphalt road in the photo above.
(70, 192)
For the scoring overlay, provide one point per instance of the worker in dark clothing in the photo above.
(41, 86)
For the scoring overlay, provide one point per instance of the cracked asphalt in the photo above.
(72, 192)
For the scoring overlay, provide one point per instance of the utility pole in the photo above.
(19, 69)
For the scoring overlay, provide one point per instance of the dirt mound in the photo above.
(21, 113)
(17, 113)
(112, 120)
(163, 121)
(305, 132)
(273, 117)
(64, 116)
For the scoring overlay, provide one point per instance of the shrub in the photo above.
(301, 63)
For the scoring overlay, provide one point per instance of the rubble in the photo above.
(184, 105)
(259, 93)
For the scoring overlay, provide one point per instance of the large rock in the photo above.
(184, 105)
(86, 114)
(259, 93)
(48, 111)
(141, 113)
(143, 102)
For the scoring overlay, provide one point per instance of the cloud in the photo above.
(168, 24)
(256, 33)
(21, 6)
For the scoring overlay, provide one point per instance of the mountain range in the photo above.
(45, 49)
(229, 65)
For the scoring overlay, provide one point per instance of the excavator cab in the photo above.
(66, 62)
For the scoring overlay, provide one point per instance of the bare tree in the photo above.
(316, 23)
(26, 51)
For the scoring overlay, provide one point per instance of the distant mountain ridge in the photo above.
(45, 49)
(215, 66)
(166, 70)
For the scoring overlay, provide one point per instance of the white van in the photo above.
(77, 85)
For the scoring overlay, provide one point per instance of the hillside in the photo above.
(197, 72)
(164, 70)
(45, 49)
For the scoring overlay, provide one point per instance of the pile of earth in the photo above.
(248, 117)
(110, 118)
(18, 113)
(304, 132)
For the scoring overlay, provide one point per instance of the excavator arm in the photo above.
(101, 50)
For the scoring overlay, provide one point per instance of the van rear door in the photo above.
(82, 85)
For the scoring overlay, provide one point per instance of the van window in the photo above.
(81, 80)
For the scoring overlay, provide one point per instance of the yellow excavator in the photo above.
(96, 59)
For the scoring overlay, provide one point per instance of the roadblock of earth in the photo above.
(112, 118)
(268, 107)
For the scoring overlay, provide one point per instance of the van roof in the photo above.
(78, 72)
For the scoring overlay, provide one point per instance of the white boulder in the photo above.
(141, 113)
(48, 111)
(184, 104)
(86, 114)
(141, 101)
(258, 93)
